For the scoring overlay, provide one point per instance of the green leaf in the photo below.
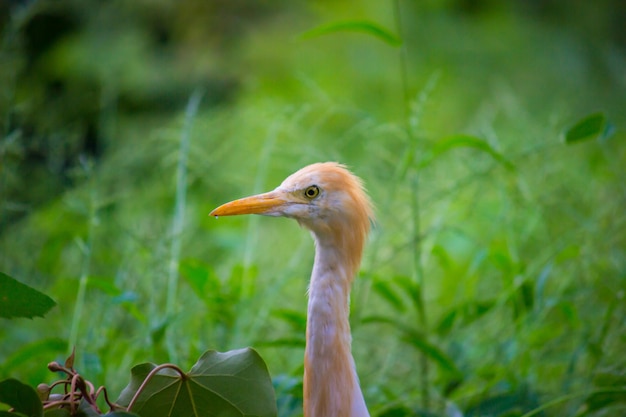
(104, 284)
(21, 397)
(296, 319)
(464, 141)
(39, 349)
(447, 322)
(412, 289)
(388, 294)
(86, 410)
(417, 340)
(20, 300)
(65, 412)
(234, 383)
(594, 126)
(610, 392)
(202, 280)
(383, 320)
(369, 28)
(57, 412)
(431, 351)
(464, 314)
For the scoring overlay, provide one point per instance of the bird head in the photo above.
(325, 198)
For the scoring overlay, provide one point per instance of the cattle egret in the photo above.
(331, 202)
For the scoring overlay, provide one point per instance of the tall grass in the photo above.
(494, 274)
(86, 249)
(178, 221)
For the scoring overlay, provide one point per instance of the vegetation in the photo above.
(490, 136)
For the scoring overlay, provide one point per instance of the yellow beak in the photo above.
(256, 204)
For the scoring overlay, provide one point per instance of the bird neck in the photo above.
(331, 386)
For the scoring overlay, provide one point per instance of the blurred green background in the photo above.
(493, 282)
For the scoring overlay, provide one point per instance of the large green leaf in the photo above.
(354, 26)
(234, 383)
(20, 300)
(21, 397)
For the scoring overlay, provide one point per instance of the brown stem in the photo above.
(55, 383)
(149, 377)
(90, 388)
(56, 404)
(112, 406)
(71, 393)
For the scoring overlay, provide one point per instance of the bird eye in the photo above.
(312, 191)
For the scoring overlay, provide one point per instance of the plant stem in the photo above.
(86, 247)
(572, 396)
(248, 285)
(413, 177)
(178, 220)
(152, 373)
(251, 235)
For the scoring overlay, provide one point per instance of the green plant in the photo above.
(234, 383)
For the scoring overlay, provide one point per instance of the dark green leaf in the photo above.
(234, 383)
(137, 375)
(611, 390)
(464, 314)
(354, 26)
(431, 351)
(447, 322)
(610, 378)
(606, 398)
(464, 141)
(388, 294)
(57, 412)
(20, 300)
(418, 341)
(382, 320)
(412, 289)
(594, 126)
(507, 404)
(296, 319)
(86, 410)
(65, 412)
(21, 397)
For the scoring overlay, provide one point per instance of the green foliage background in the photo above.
(494, 279)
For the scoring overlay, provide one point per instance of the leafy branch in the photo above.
(233, 383)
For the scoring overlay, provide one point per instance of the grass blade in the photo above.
(465, 141)
(362, 26)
